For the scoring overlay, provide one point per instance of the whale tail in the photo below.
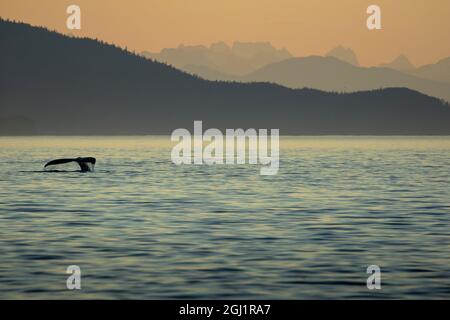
(85, 163)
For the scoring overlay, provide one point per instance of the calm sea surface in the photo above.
(141, 227)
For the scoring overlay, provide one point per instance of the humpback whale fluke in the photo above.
(83, 162)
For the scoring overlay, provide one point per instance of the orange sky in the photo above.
(418, 28)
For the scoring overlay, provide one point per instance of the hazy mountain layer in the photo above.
(439, 71)
(344, 54)
(338, 71)
(400, 63)
(331, 74)
(239, 59)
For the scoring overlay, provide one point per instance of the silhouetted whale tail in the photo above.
(85, 163)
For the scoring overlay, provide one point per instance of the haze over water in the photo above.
(141, 227)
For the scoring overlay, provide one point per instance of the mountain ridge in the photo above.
(400, 63)
(236, 60)
(439, 71)
(333, 74)
(344, 54)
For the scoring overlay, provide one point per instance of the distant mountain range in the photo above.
(331, 74)
(401, 63)
(324, 73)
(344, 54)
(439, 71)
(54, 84)
(239, 59)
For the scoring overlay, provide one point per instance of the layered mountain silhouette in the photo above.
(331, 74)
(439, 71)
(400, 63)
(339, 70)
(344, 54)
(239, 59)
(64, 85)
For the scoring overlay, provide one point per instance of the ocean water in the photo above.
(141, 227)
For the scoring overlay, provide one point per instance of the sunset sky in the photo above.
(420, 29)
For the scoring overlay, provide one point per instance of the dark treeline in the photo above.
(68, 85)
